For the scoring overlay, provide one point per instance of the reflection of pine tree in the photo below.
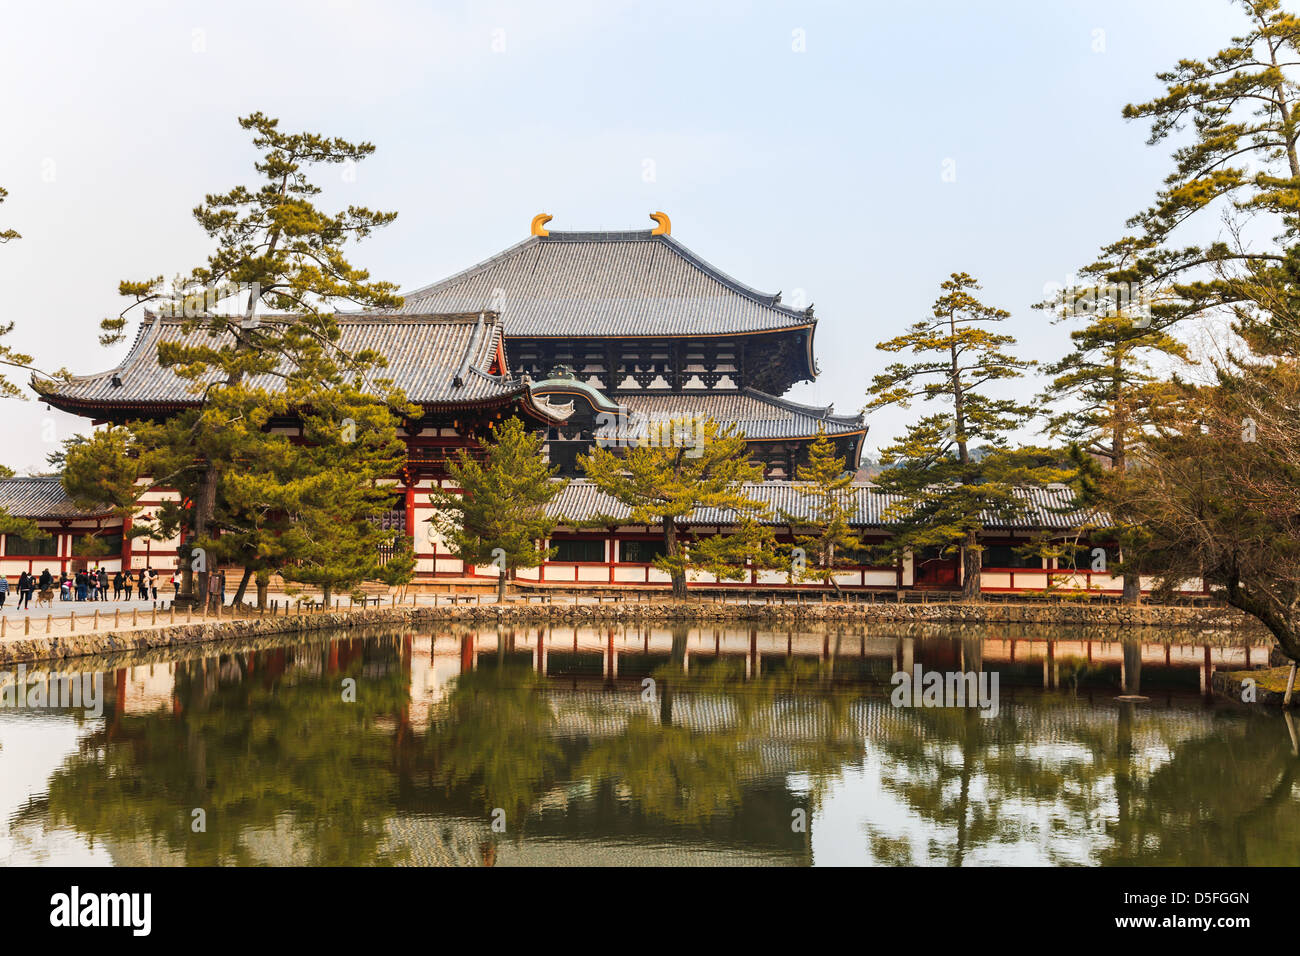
(272, 751)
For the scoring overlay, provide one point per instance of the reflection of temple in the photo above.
(296, 774)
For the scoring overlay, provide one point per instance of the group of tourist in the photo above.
(86, 585)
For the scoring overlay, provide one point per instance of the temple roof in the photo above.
(42, 497)
(607, 284)
(1050, 508)
(435, 359)
(759, 415)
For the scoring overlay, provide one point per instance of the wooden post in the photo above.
(153, 618)
(172, 618)
(1290, 686)
(135, 616)
(72, 623)
(27, 627)
(95, 625)
(117, 611)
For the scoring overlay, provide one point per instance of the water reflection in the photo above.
(624, 746)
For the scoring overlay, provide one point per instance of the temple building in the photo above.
(583, 335)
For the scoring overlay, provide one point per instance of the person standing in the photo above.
(144, 584)
(65, 586)
(117, 586)
(127, 582)
(4, 590)
(25, 582)
(47, 580)
(103, 584)
(153, 584)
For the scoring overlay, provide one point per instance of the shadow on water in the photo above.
(649, 745)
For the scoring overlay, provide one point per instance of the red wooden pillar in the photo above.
(409, 506)
(126, 543)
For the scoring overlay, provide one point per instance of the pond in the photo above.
(651, 746)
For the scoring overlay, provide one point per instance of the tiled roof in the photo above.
(1046, 508)
(757, 414)
(434, 359)
(606, 284)
(42, 497)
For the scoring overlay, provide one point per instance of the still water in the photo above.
(635, 746)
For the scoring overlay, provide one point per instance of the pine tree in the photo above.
(1107, 397)
(499, 517)
(1240, 161)
(8, 355)
(949, 487)
(690, 465)
(274, 249)
(1219, 488)
(18, 527)
(7, 234)
(822, 528)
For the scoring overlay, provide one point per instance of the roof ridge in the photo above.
(769, 299)
(598, 235)
(147, 322)
(507, 253)
(817, 411)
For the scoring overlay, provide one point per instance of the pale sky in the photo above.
(798, 147)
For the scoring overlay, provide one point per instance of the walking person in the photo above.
(25, 582)
(4, 590)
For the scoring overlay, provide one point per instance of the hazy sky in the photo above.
(798, 147)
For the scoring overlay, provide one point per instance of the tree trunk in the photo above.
(971, 562)
(671, 550)
(501, 588)
(326, 596)
(243, 586)
(263, 586)
(205, 509)
(1132, 588)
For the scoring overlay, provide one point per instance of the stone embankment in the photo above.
(1225, 621)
